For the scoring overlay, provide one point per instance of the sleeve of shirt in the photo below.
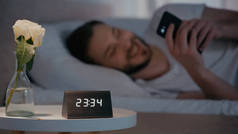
(157, 92)
(162, 94)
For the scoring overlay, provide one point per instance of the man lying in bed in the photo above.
(176, 66)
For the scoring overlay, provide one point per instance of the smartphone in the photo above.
(167, 19)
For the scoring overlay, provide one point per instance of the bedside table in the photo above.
(48, 118)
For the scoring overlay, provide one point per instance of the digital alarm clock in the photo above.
(87, 104)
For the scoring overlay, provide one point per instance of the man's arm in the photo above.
(226, 21)
(185, 52)
(191, 95)
(212, 86)
(220, 15)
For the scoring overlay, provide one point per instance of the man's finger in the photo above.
(184, 23)
(169, 37)
(177, 47)
(203, 34)
(183, 37)
(193, 39)
(210, 36)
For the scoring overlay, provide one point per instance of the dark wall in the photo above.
(40, 11)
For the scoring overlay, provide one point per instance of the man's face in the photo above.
(116, 48)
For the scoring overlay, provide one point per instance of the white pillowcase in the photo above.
(55, 68)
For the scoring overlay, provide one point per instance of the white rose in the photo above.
(29, 30)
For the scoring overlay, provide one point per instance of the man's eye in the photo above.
(112, 52)
(116, 32)
(133, 40)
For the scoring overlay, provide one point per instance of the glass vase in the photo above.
(19, 96)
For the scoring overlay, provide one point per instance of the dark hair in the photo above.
(78, 41)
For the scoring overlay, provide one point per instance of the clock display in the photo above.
(87, 104)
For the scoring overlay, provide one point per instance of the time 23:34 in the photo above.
(88, 102)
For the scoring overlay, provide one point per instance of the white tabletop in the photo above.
(48, 118)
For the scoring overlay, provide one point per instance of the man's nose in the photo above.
(124, 44)
(125, 41)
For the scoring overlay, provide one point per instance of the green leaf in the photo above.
(23, 53)
(30, 64)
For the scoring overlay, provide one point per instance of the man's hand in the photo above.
(207, 31)
(184, 48)
(225, 20)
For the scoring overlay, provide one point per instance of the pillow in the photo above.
(55, 68)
